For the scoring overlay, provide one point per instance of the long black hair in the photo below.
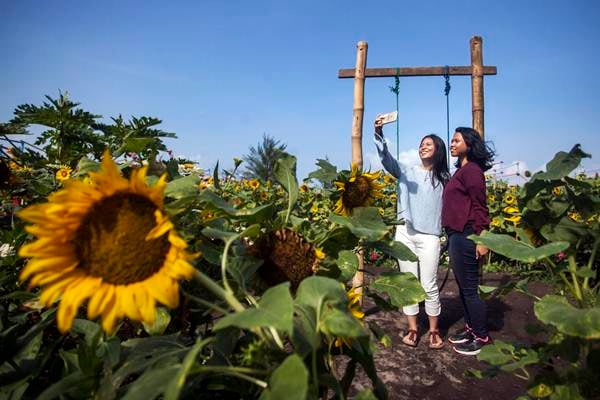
(439, 162)
(478, 151)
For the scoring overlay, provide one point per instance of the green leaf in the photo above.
(403, 288)
(559, 167)
(136, 144)
(336, 322)
(365, 223)
(216, 182)
(275, 309)
(89, 329)
(485, 292)
(256, 214)
(243, 269)
(285, 174)
(395, 249)
(161, 321)
(516, 250)
(497, 353)
(347, 262)
(15, 390)
(530, 357)
(366, 394)
(151, 383)
(176, 383)
(325, 174)
(586, 272)
(540, 390)
(289, 381)
(215, 233)
(314, 291)
(73, 382)
(579, 322)
(110, 351)
(565, 230)
(563, 164)
(566, 392)
(182, 187)
(85, 166)
(305, 336)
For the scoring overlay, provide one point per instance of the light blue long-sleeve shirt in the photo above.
(419, 202)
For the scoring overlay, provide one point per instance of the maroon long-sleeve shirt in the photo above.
(464, 201)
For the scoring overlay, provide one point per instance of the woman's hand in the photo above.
(378, 129)
(480, 251)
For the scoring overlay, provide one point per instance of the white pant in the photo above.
(427, 249)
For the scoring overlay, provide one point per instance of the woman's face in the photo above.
(426, 149)
(458, 146)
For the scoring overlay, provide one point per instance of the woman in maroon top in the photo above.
(464, 212)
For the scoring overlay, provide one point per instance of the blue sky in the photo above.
(220, 74)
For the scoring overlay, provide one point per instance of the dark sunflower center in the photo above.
(287, 257)
(110, 242)
(356, 193)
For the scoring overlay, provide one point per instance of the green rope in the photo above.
(447, 93)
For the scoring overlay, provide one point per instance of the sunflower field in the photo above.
(126, 276)
(128, 273)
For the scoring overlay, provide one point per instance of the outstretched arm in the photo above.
(390, 164)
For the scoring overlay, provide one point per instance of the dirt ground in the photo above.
(422, 373)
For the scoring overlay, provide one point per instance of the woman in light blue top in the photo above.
(420, 206)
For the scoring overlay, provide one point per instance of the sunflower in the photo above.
(108, 241)
(491, 198)
(304, 188)
(63, 173)
(389, 179)
(575, 216)
(534, 236)
(253, 184)
(495, 223)
(286, 256)
(511, 210)
(314, 209)
(356, 311)
(557, 191)
(357, 191)
(509, 199)
(515, 219)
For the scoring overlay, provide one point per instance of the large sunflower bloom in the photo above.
(357, 191)
(107, 241)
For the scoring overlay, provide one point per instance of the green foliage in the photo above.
(558, 229)
(231, 333)
(261, 161)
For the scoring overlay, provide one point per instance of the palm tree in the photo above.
(260, 162)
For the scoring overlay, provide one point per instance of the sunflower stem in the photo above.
(234, 371)
(218, 290)
(224, 267)
(206, 303)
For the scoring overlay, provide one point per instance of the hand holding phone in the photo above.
(387, 117)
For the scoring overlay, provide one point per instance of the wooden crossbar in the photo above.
(417, 71)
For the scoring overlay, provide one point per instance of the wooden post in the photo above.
(477, 83)
(359, 102)
(357, 125)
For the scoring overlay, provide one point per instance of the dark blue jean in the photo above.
(466, 270)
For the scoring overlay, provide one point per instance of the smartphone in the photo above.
(387, 117)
